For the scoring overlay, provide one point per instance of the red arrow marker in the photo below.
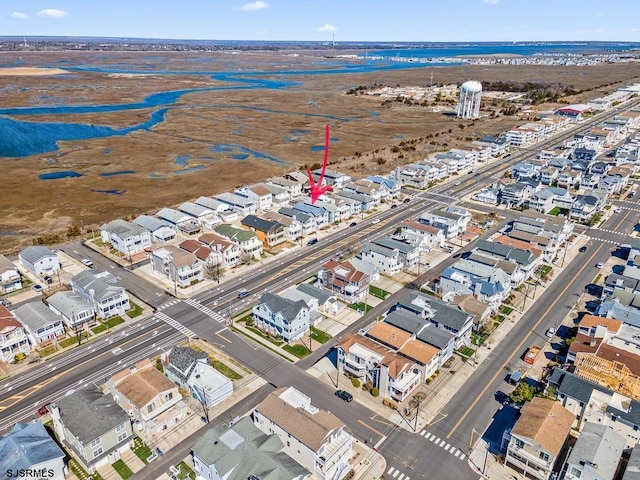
(316, 188)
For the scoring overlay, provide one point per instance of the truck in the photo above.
(532, 353)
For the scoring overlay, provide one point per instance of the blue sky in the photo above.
(318, 20)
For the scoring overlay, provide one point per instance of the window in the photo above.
(97, 451)
(519, 443)
(120, 428)
(96, 442)
(151, 407)
(544, 456)
(575, 472)
(169, 396)
(122, 436)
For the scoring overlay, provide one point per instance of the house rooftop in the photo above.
(388, 334)
(27, 445)
(123, 229)
(142, 384)
(35, 315)
(34, 253)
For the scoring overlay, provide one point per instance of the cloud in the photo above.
(635, 29)
(19, 15)
(52, 13)
(327, 27)
(254, 6)
(491, 2)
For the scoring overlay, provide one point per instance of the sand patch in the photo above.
(30, 71)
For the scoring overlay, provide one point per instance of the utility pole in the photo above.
(415, 426)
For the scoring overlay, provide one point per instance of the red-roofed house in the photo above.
(13, 337)
(344, 280)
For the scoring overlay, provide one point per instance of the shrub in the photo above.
(355, 382)
(375, 392)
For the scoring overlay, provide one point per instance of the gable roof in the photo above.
(277, 304)
(7, 321)
(122, 228)
(142, 386)
(388, 334)
(36, 315)
(315, 292)
(33, 253)
(600, 446)
(103, 284)
(261, 224)
(27, 445)
(183, 359)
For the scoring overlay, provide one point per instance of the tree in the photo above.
(213, 270)
(522, 393)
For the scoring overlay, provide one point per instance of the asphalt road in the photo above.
(469, 410)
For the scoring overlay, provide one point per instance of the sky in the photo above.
(321, 20)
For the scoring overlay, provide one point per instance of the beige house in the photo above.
(536, 440)
(150, 398)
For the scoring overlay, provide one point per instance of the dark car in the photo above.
(313, 241)
(346, 396)
(631, 195)
(477, 173)
(406, 200)
(43, 410)
(352, 224)
(582, 249)
(394, 206)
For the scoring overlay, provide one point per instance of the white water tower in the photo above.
(469, 103)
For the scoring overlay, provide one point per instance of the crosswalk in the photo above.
(395, 473)
(443, 444)
(169, 304)
(175, 324)
(206, 310)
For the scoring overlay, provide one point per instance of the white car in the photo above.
(599, 265)
(617, 210)
(457, 183)
(86, 262)
(375, 220)
(550, 333)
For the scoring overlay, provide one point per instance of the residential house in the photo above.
(596, 454)
(569, 179)
(314, 438)
(516, 194)
(548, 198)
(525, 170)
(293, 228)
(126, 237)
(231, 253)
(481, 311)
(387, 260)
(92, 426)
(344, 280)
(293, 187)
(206, 216)
(191, 370)
(587, 205)
(425, 237)
(307, 222)
(279, 196)
(465, 277)
(332, 177)
(258, 194)
(77, 313)
(549, 176)
(221, 454)
(269, 232)
(28, 447)
(210, 258)
(489, 196)
(440, 314)
(367, 202)
(39, 260)
(180, 221)
(409, 255)
(546, 232)
(148, 396)
(452, 220)
(160, 230)
(525, 259)
(222, 210)
(389, 183)
(326, 302)
(282, 317)
(102, 291)
(10, 279)
(180, 267)
(632, 472)
(615, 281)
(242, 205)
(13, 337)
(537, 438)
(366, 187)
(247, 240)
(43, 326)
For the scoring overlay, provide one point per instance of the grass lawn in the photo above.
(320, 336)
(506, 310)
(378, 292)
(226, 371)
(73, 340)
(478, 339)
(123, 469)
(112, 322)
(48, 350)
(185, 471)
(466, 351)
(80, 472)
(271, 339)
(244, 317)
(299, 351)
(135, 311)
(141, 450)
(360, 306)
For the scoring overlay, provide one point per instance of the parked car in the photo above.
(631, 195)
(86, 262)
(346, 396)
(550, 332)
(352, 224)
(44, 409)
(37, 288)
(394, 206)
(457, 183)
(406, 200)
(313, 241)
(4, 302)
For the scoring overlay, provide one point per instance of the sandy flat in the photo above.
(30, 71)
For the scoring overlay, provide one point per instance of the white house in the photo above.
(314, 438)
(39, 260)
(180, 267)
(282, 317)
(247, 240)
(425, 237)
(126, 237)
(258, 194)
(10, 279)
(102, 291)
(42, 324)
(13, 337)
(452, 220)
(76, 312)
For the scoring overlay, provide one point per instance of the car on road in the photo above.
(477, 173)
(353, 224)
(394, 206)
(346, 396)
(550, 332)
(582, 249)
(44, 409)
(313, 241)
(375, 220)
(599, 265)
(243, 293)
(457, 183)
(37, 288)
(617, 210)
(86, 262)
(406, 200)
(631, 195)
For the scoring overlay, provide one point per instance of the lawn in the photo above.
(378, 292)
(48, 350)
(141, 450)
(244, 317)
(506, 310)
(226, 371)
(478, 339)
(359, 307)
(466, 351)
(72, 340)
(271, 339)
(320, 336)
(123, 469)
(80, 472)
(185, 471)
(299, 351)
(135, 311)
(112, 322)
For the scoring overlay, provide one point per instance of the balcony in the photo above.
(355, 368)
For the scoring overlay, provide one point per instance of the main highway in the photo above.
(470, 410)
